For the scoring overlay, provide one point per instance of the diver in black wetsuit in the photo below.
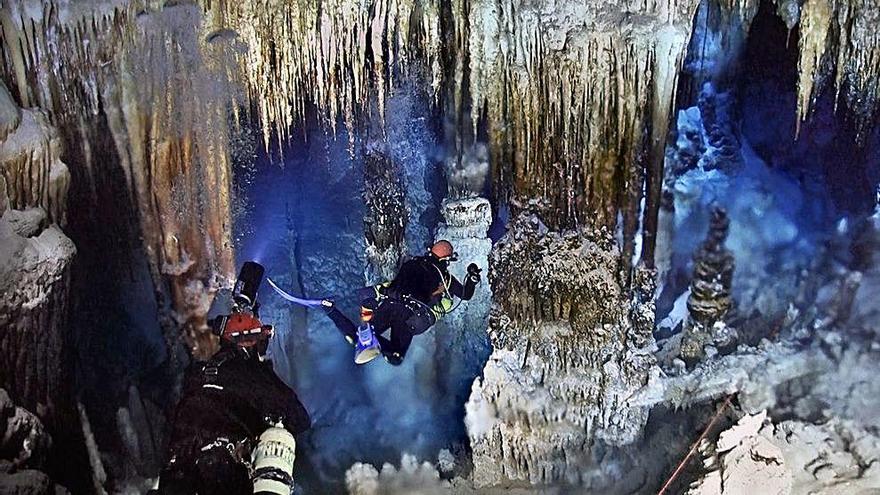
(409, 305)
(234, 412)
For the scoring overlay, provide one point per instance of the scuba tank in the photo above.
(272, 462)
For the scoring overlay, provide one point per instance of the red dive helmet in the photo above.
(239, 321)
(244, 330)
(442, 250)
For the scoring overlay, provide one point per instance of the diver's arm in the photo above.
(464, 292)
(473, 278)
(280, 400)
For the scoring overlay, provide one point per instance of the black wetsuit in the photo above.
(409, 306)
(224, 406)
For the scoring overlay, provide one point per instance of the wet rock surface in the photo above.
(792, 456)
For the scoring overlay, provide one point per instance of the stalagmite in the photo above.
(567, 356)
(710, 298)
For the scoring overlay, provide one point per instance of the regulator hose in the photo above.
(309, 303)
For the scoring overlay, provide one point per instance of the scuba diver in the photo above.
(233, 428)
(422, 292)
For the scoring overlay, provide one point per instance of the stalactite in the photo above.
(571, 97)
(841, 36)
(329, 54)
(567, 95)
(35, 261)
(31, 166)
(166, 111)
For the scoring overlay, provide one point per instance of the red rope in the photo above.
(696, 444)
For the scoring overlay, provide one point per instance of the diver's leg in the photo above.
(346, 327)
(218, 472)
(394, 348)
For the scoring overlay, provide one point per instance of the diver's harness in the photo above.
(269, 458)
(270, 463)
(423, 315)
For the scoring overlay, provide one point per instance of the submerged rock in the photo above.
(567, 355)
(792, 457)
(710, 297)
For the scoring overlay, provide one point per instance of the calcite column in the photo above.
(570, 346)
(710, 298)
(462, 336)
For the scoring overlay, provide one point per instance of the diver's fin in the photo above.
(309, 303)
(367, 346)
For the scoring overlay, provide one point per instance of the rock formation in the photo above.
(144, 132)
(791, 457)
(710, 298)
(411, 478)
(461, 336)
(615, 67)
(510, 51)
(24, 446)
(567, 355)
(386, 217)
(35, 260)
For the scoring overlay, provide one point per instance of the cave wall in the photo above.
(141, 103)
(35, 260)
(575, 101)
(144, 131)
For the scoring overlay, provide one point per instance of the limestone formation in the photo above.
(840, 38)
(461, 336)
(567, 356)
(385, 219)
(710, 298)
(573, 97)
(746, 460)
(411, 478)
(596, 140)
(30, 163)
(792, 457)
(35, 260)
(24, 446)
(152, 122)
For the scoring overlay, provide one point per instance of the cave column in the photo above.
(461, 337)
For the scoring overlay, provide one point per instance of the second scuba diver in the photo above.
(422, 292)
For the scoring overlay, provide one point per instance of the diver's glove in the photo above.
(474, 273)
